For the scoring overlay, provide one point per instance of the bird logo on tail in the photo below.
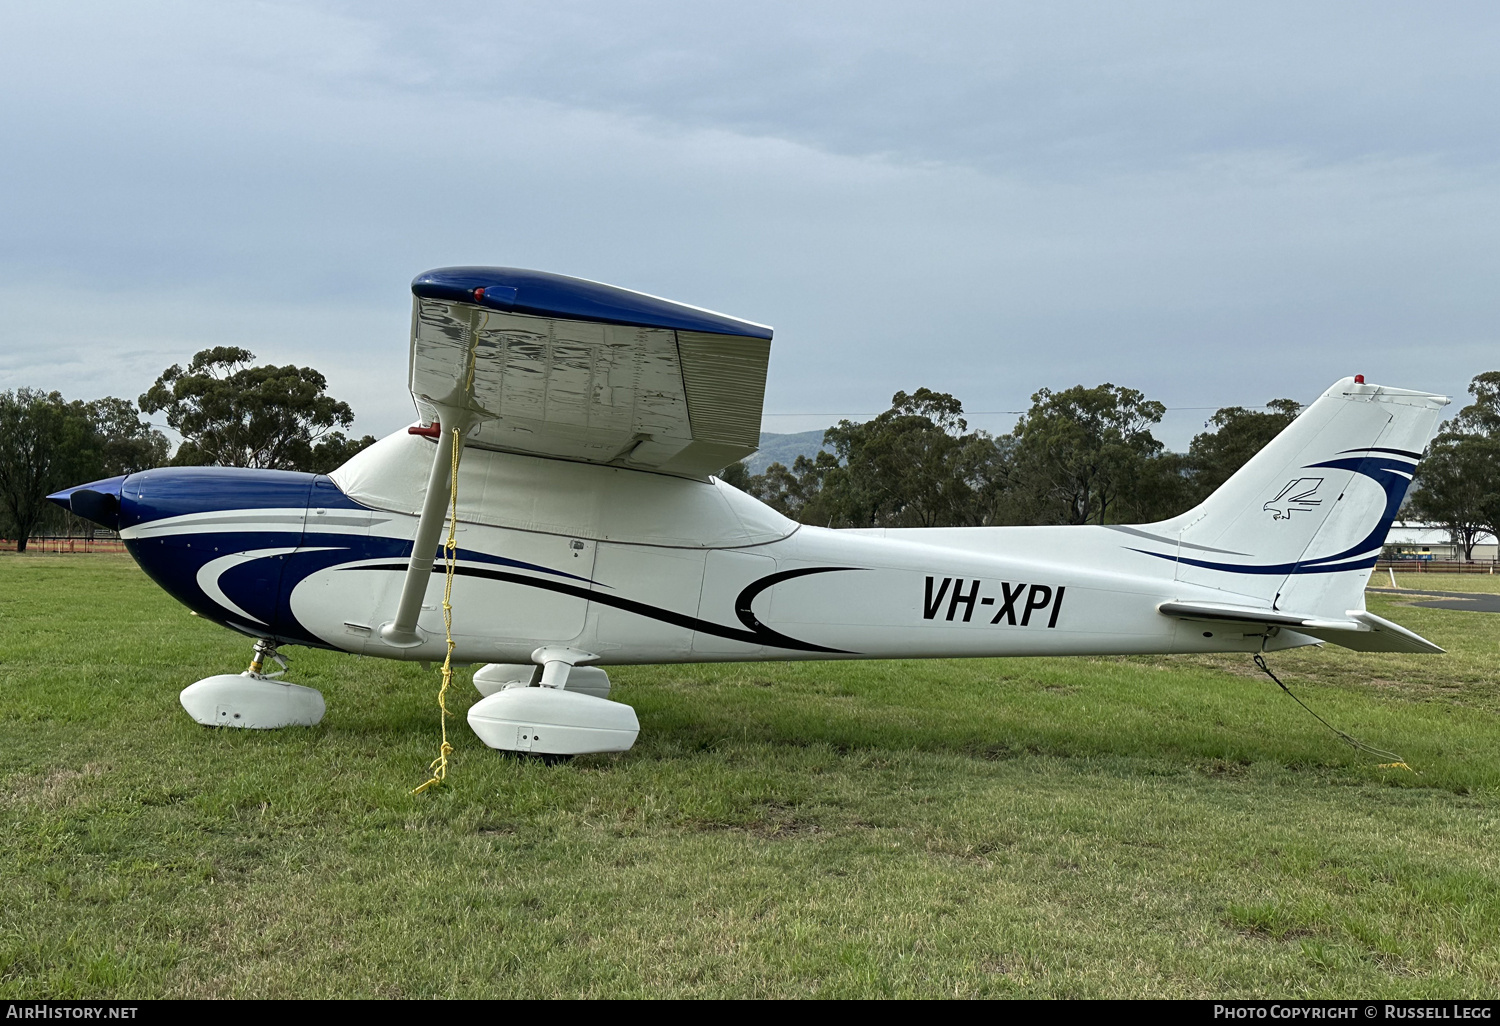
(1293, 496)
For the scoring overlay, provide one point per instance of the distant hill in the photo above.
(784, 449)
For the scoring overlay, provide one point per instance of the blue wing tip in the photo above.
(541, 293)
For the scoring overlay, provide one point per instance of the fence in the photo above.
(65, 545)
(1437, 566)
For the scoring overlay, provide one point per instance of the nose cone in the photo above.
(98, 501)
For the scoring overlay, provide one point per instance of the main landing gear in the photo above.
(253, 699)
(551, 707)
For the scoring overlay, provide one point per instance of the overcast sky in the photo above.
(1216, 204)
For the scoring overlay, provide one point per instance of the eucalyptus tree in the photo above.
(46, 443)
(127, 443)
(1237, 435)
(232, 413)
(1458, 485)
(1084, 454)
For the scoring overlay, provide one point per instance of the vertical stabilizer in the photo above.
(1299, 526)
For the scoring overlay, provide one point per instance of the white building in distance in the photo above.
(1410, 540)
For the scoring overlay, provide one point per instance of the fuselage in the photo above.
(635, 567)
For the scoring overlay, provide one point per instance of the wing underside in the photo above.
(657, 398)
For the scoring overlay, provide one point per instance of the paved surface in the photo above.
(1468, 601)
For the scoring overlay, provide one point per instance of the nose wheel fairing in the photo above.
(252, 703)
(255, 699)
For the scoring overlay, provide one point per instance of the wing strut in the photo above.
(402, 632)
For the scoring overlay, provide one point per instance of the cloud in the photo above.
(1215, 207)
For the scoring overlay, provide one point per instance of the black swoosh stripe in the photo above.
(747, 616)
(758, 635)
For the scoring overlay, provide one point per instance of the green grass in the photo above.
(1438, 582)
(1091, 827)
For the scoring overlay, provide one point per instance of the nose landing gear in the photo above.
(253, 699)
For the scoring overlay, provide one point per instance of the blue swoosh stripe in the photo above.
(1393, 476)
(1273, 568)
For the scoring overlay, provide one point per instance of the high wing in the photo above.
(569, 368)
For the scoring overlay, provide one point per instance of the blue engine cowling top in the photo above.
(229, 568)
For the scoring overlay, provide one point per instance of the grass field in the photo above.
(1439, 582)
(1095, 827)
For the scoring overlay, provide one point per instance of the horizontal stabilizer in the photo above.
(1362, 631)
(1378, 634)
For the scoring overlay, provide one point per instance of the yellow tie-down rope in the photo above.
(439, 766)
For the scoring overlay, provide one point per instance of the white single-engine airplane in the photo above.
(591, 531)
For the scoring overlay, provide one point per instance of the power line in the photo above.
(989, 413)
(965, 413)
